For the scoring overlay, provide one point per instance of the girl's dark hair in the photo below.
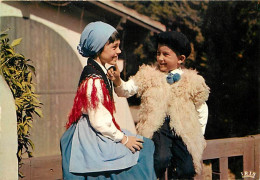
(114, 37)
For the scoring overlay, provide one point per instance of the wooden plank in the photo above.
(248, 158)
(42, 168)
(131, 15)
(224, 148)
(46, 168)
(257, 156)
(223, 167)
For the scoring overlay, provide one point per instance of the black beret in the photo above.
(177, 41)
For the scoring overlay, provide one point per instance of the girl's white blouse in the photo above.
(100, 118)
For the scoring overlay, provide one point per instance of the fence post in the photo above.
(223, 167)
(257, 156)
(248, 156)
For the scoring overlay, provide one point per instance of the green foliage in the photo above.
(175, 15)
(184, 16)
(18, 74)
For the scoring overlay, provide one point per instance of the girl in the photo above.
(173, 112)
(94, 146)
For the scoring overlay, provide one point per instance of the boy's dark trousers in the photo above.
(171, 152)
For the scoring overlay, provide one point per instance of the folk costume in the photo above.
(173, 114)
(91, 147)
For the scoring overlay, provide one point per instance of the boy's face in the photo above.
(167, 58)
(110, 53)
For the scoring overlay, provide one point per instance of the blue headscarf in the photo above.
(94, 37)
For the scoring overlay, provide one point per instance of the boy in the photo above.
(173, 110)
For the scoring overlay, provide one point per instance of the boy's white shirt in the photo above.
(129, 88)
(100, 118)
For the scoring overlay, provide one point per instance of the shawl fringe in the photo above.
(81, 101)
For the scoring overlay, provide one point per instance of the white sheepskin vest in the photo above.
(178, 100)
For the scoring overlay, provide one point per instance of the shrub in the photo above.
(18, 74)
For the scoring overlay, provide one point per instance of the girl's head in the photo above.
(100, 41)
(172, 49)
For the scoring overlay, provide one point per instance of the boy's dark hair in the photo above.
(177, 41)
(114, 37)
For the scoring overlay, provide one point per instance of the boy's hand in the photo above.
(113, 74)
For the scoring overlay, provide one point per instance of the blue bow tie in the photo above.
(172, 78)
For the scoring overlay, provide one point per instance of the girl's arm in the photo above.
(122, 88)
(101, 120)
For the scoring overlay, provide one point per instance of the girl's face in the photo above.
(110, 53)
(167, 58)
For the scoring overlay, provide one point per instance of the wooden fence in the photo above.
(43, 168)
(222, 149)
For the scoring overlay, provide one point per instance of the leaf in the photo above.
(38, 112)
(16, 42)
(17, 84)
(35, 101)
(3, 36)
(21, 174)
(4, 31)
(31, 68)
(14, 91)
(19, 153)
(29, 77)
(11, 51)
(16, 107)
(31, 143)
(6, 71)
(20, 125)
(19, 56)
(6, 61)
(30, 154)
(32, 88)
(18, 102)
(29, 124)
(24, 84)
(26, 128)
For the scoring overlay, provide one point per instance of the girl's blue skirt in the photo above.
(86, 154)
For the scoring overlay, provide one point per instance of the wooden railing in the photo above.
(43, 168)
(247, 147)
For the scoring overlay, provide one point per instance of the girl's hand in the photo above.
(113, 74)
(133, 144)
